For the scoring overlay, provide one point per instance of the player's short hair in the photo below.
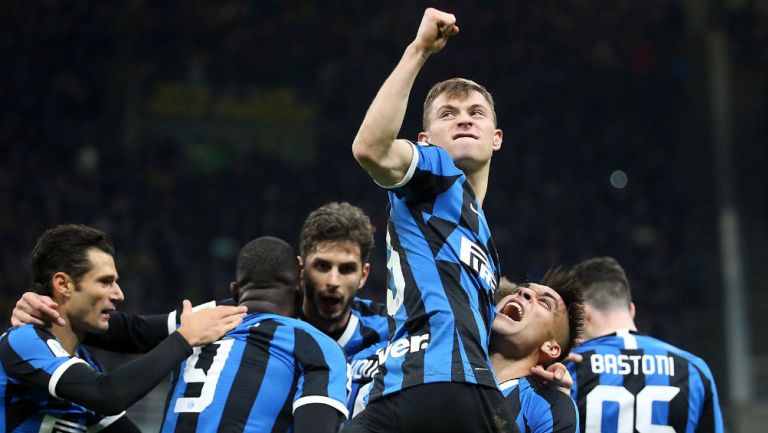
(337, 222)
(455, 88)
(568, 287)
(267, 262)
(604, 282)
(64, 248)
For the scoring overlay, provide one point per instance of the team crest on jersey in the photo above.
(474, 257)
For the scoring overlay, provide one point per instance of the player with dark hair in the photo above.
(335, 243)
(272, 373)
(442, 263)
(627, 381)
(536, 325)
(48, 380)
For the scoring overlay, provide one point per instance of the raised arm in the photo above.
(376, 147)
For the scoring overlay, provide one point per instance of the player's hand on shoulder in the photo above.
(435, 29)
(209, 324)
(36, 309)
(556, 375)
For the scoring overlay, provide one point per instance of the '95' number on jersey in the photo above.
(194, 374)
(629, 408)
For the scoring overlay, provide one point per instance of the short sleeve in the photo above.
(323, 372)
(431, 173)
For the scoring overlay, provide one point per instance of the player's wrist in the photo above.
(188, 336)
(418, 50)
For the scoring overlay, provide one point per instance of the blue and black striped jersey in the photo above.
(33, 361)
(255, 377)
(369, 325)
(631, 382)
(368, 330)
(363, 366)
(539, 408)
(443, 270)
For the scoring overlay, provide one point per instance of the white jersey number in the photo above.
(628, 405)
(192, 374)
(396, 285)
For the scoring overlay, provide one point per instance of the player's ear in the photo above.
(62, 285)
(423, 137)
(498, 136)
(550, 349)
(632, 310)
(300, 281)
(234, 289)
(364, 274)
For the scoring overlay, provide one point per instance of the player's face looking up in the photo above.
(332, 274)
(465, 127)
(95, 294)
(527, 321)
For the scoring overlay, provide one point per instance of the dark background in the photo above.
(185, 129)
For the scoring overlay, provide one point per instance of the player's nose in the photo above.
(117, 293)
(334, 278)
(464, 119)
(526, 293)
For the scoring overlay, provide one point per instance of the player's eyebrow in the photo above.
(445, 107)
(551, 296)
(477, 106)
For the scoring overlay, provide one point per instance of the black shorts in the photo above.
(442, 407)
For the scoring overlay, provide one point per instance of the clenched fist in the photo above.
(435, 29)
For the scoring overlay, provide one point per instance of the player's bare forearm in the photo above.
(376, 147)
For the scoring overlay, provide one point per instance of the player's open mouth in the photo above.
(331, 301)
(514, 311)
(464, 134)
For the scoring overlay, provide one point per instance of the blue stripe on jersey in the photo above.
(255, 376)
(264, 412)
(540, 409)
(29, 358)
(442, 272)
(628, 377)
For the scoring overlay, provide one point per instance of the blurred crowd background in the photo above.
(185, 129)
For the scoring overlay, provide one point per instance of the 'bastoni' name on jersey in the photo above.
(609, 363)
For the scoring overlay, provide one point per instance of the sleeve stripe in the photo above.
(171, 322)
(59, 372)
(408, 174)
(105, 422)
(341, 407)
(349, 332)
